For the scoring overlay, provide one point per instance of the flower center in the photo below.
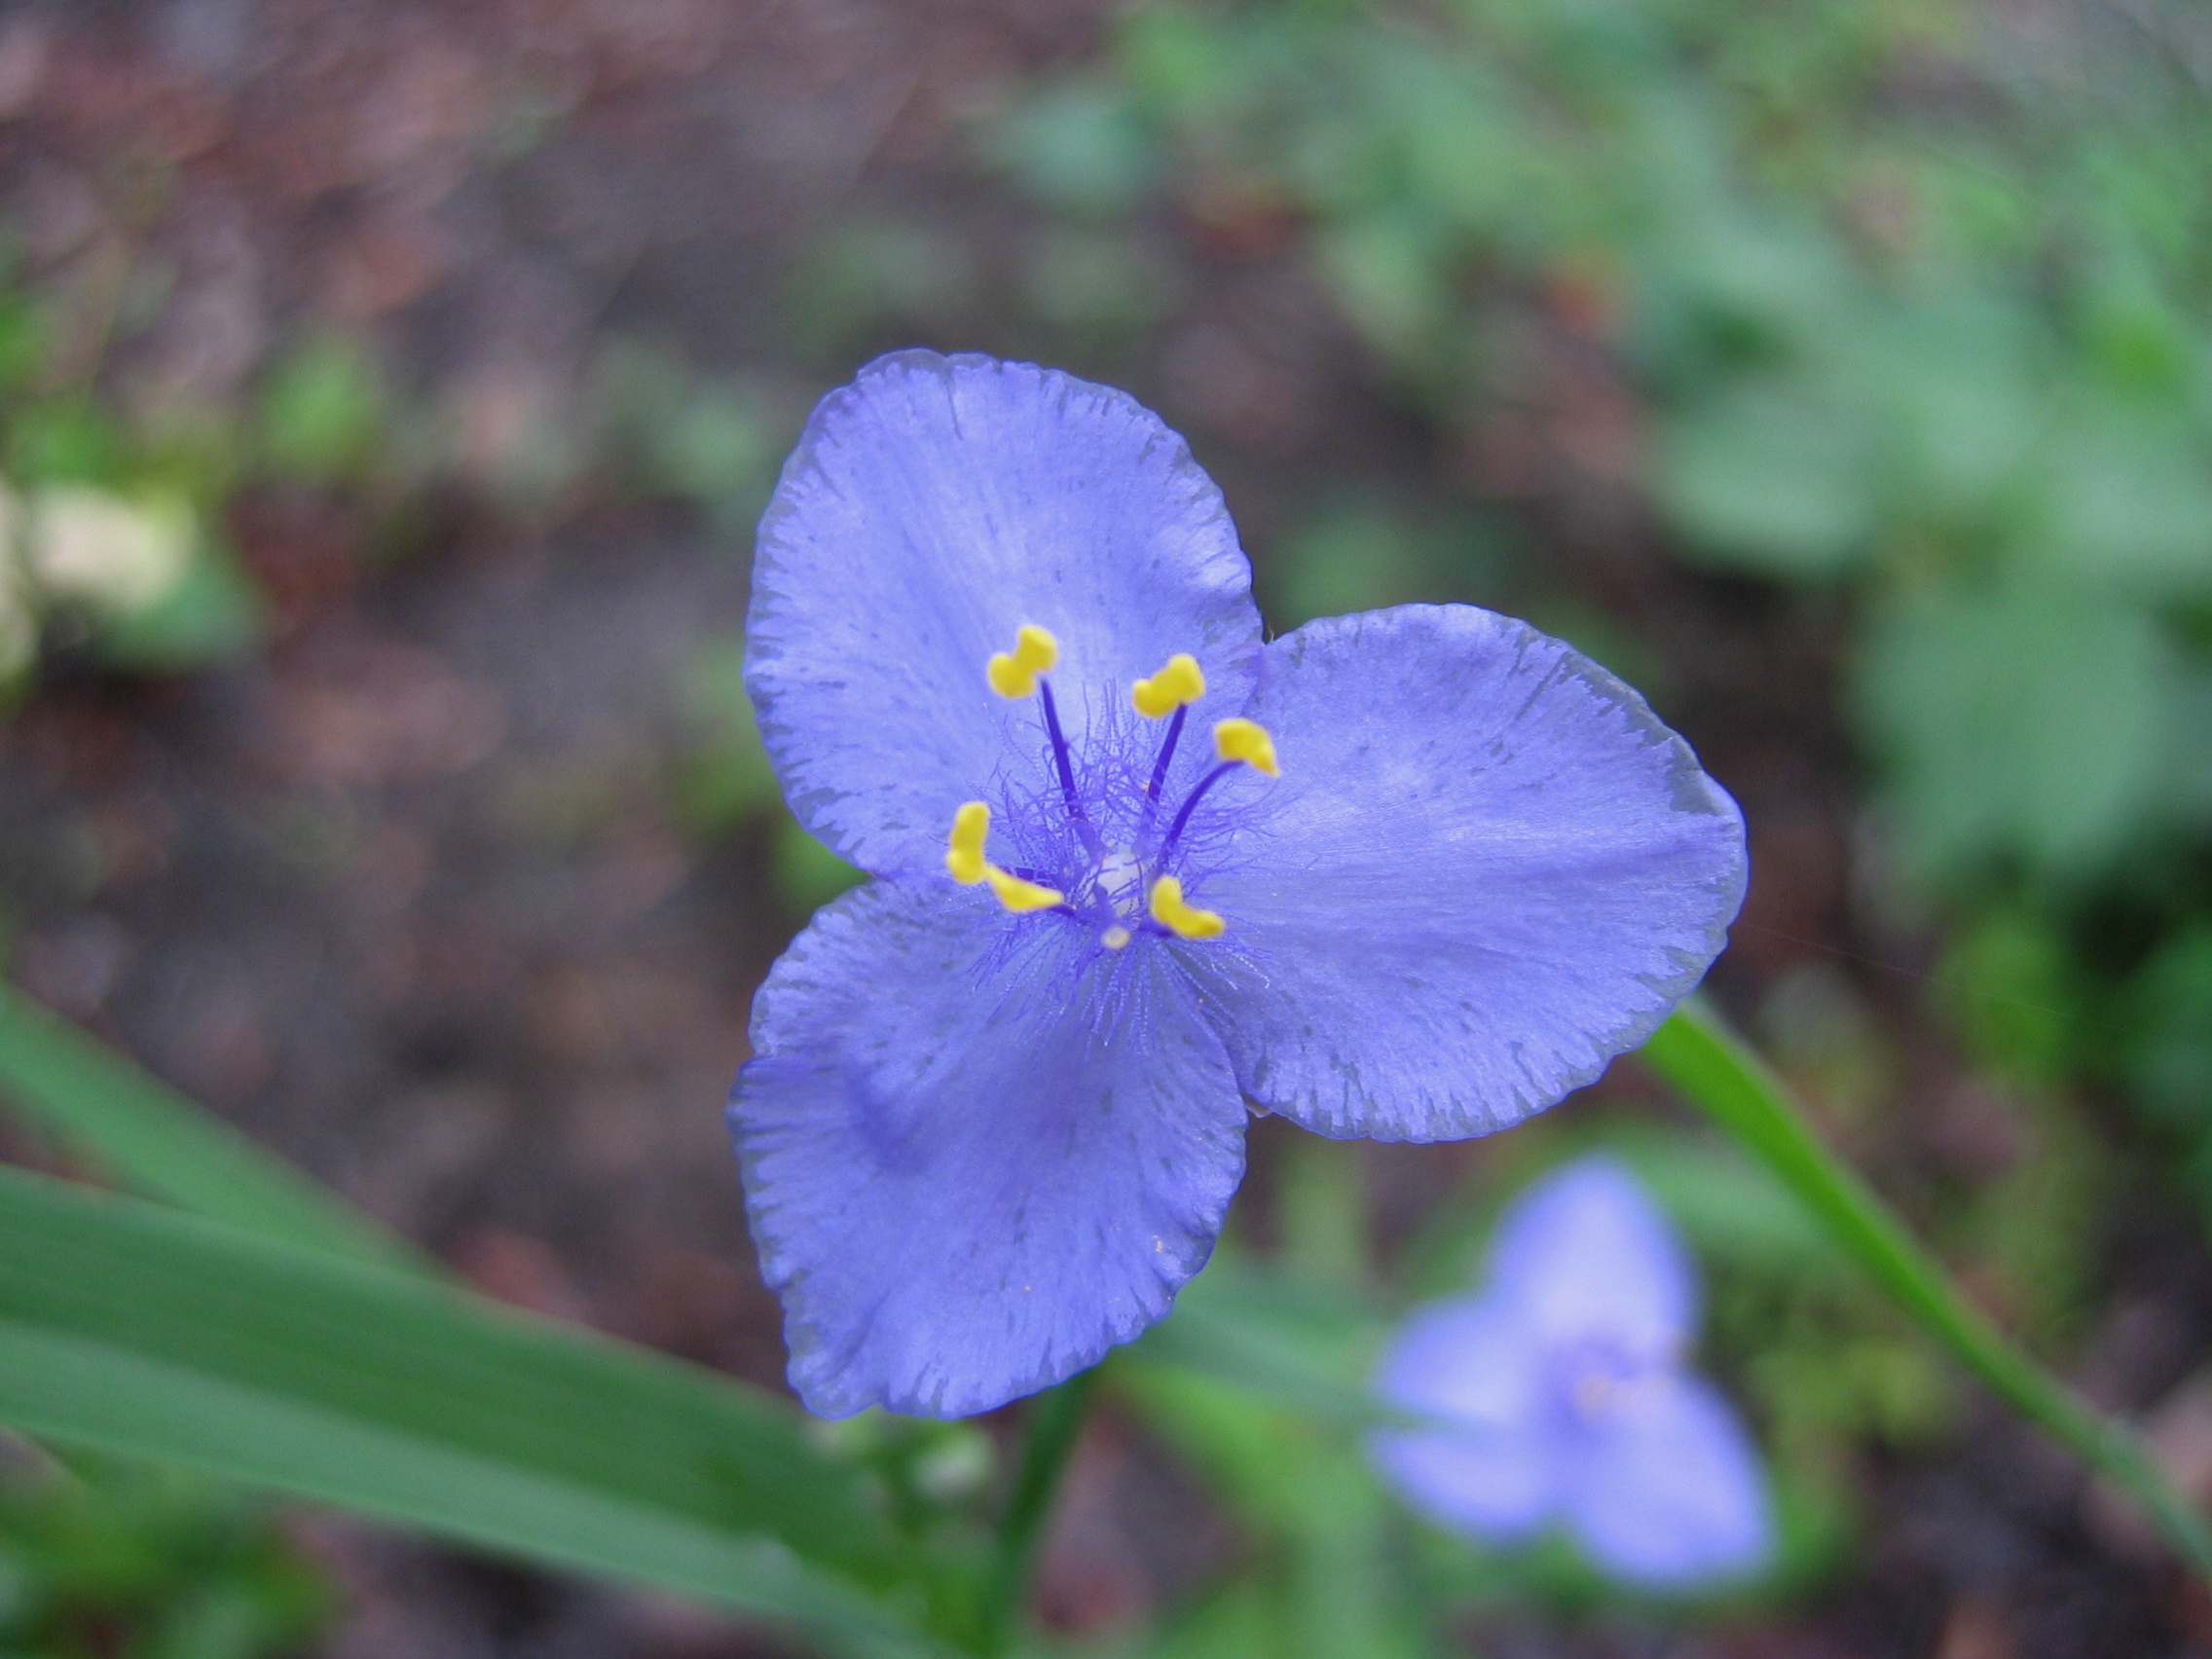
(1097, 843)
(1599, 1379)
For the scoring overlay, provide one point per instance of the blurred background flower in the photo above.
(1834, 371)
(1560, 1394)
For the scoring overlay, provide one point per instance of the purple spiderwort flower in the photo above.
(1559, 1394)
(1005, 657)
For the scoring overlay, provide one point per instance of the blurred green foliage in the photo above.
(1336, 1567)
(104, 1560)
(1909, 303)
(110, 531)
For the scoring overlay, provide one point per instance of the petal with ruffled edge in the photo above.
(1586, 1256)
(1665, 1489)
(934, 506)
(974, 1161)
(1491, 1466)
(1489, 869)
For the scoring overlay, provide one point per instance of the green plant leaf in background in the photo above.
(132, 1329)
(130, 1125)
(2029, 721)
(1770, 479)
(213, 610)
(1695, 1052)
(322, 411)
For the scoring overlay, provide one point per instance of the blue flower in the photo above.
(1411, 875)
(1559, 1394)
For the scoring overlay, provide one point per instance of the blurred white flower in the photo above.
(97, 548)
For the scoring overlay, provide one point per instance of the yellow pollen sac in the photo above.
(1013, 674)
(1185, 921)
(1019, 896)
(965, 856)
(1245, 740)
(1174, 686)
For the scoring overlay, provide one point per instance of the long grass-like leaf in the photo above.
(136, 1129)
(134, 1329)
(1697, 1053)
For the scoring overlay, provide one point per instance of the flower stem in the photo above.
(1697, 1053)
(1049, 1435)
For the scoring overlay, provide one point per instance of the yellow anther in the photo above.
(1185, 921)
(965, 856)
(1245, 740)
(1019, 896)
(1013, 674)
(1174, 686)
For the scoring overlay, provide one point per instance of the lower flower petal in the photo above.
(1489, 869)
(1666, 1489)
(972, 1160)
(1491, 1466)
(1499, 1486)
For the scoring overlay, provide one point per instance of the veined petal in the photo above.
(1666, 1489)
(1584, 1256)
(1489, 869)
(973, 1163)
(934, 506)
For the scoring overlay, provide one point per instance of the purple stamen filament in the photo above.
(1060, 750)
(1190, 802)
(1166, 753)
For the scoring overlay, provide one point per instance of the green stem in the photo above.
(1695, 1051)
(1055, 1420)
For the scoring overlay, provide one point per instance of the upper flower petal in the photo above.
(933, 508)
(1470, 1359)
(1585, 1256)
(972, 1164)
(1489, 869)
(1665, 1489)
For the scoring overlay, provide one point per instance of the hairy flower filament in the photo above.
(1020, 674)
(1239, 742)
(1110, 890)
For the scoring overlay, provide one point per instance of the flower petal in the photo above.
(1488, 870)
(934, 506)
(1585, 1256)
(1479, 1364)
(972, 1169)
(1665, 1489)
(1499, 1485)
(1471, 1359)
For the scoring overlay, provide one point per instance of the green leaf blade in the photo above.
(135, 1127)
(1705, 1062)
(136, 1330)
